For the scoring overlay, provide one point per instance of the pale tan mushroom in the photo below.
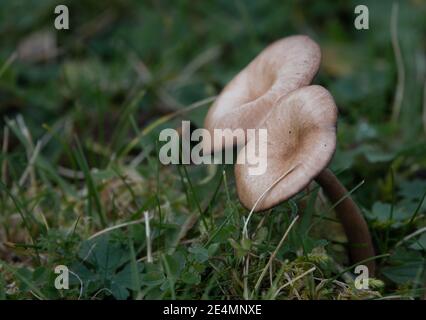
(301, 142)
(245, 102)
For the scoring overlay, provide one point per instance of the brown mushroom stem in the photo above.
(354, 225)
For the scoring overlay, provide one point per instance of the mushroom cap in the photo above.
(245, 102)
(301, 140)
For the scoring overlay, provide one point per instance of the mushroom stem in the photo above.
(354, 225)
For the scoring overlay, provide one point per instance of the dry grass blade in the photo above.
(293, 281)
(148, 237)
(410, 236)
(274, 254)
(399, 93)
(30, 167)
(245, 232)
(118, 226)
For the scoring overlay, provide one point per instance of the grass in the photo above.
(80, 173)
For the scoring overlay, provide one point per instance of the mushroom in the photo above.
(254, 99)
(301, 142)
(245, 102)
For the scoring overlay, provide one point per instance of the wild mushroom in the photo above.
(301, 142)
(245, 102)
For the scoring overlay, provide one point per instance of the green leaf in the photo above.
(200, 253)
(153, 278)
(213, 249)
(176, 263)
(373, 154)
(191, 277)
(125, 277)
(420, 244)
(402, 256)
(83, 273)
(224, 233)
(24, 275)
(381, 212)
(135, 266)
(105, 255)
(405, 266)
(405, 273)
(413, 189)
(119, 291)
(246, 244)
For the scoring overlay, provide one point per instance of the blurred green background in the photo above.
(183, 51)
